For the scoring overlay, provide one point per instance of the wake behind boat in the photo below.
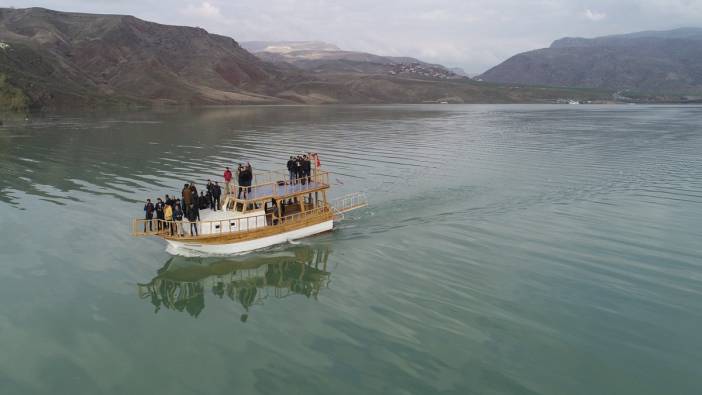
(264, 210)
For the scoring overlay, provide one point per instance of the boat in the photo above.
(271, 210)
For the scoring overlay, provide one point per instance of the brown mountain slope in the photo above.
(58, 56)
(664, 62)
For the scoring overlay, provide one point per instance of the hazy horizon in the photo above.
(473, 35)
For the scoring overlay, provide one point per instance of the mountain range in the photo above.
(52, 59)
(651, 62)
(321, 57)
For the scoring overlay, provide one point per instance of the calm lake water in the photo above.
(507, 250)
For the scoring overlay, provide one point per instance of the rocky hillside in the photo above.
(320, 57)
(654, 62)
(57, 57)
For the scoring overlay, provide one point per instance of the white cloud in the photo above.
(594, 15)
(473, 34)
(204, 10)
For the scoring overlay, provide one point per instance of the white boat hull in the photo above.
(176, 247)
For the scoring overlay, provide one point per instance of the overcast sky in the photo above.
(473, 34)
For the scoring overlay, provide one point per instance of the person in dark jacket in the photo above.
(307, 168)
(170, 202)
(178, 217)
(210, 201)
(298, 168)
(149, 215)
(194, 199)
(249, 176)
(193, 217)
(210, 185)
(291, 170)
(193, 191)
(216, 194)
(240, 176)
(159, 213)
(203, 202)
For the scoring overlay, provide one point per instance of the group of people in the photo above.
(300, 167)
(209, 199)
(168, 210)
(173, 210)
(244, 179)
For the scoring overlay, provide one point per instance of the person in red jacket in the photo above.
(315, 159)
(227, 180)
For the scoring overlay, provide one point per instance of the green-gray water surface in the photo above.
(507, 250)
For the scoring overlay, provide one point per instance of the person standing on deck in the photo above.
(187, 198)
(316, 164)
(203, 202)
(194, 200)
(249, 176)
(159, 213)
(149, 211)
(216, 194)
(240, 180)
(245, 177)
(227, 181)
(178, 217)
(274, 211)
(210, 199)
(291, 169)
(307, 168)
(298, 169)
(303, 167)
(193, 215)
(168, 217)
(210, 185)
(193, 189)
(169, 201)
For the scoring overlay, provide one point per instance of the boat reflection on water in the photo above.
(181, 284)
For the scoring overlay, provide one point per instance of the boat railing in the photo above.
(278, 184)
(188, 230)
(267, 177)
(349, 202)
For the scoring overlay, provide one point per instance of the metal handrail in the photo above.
(350, 202)
(280, 187)
(183, 229)
(270, 176)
